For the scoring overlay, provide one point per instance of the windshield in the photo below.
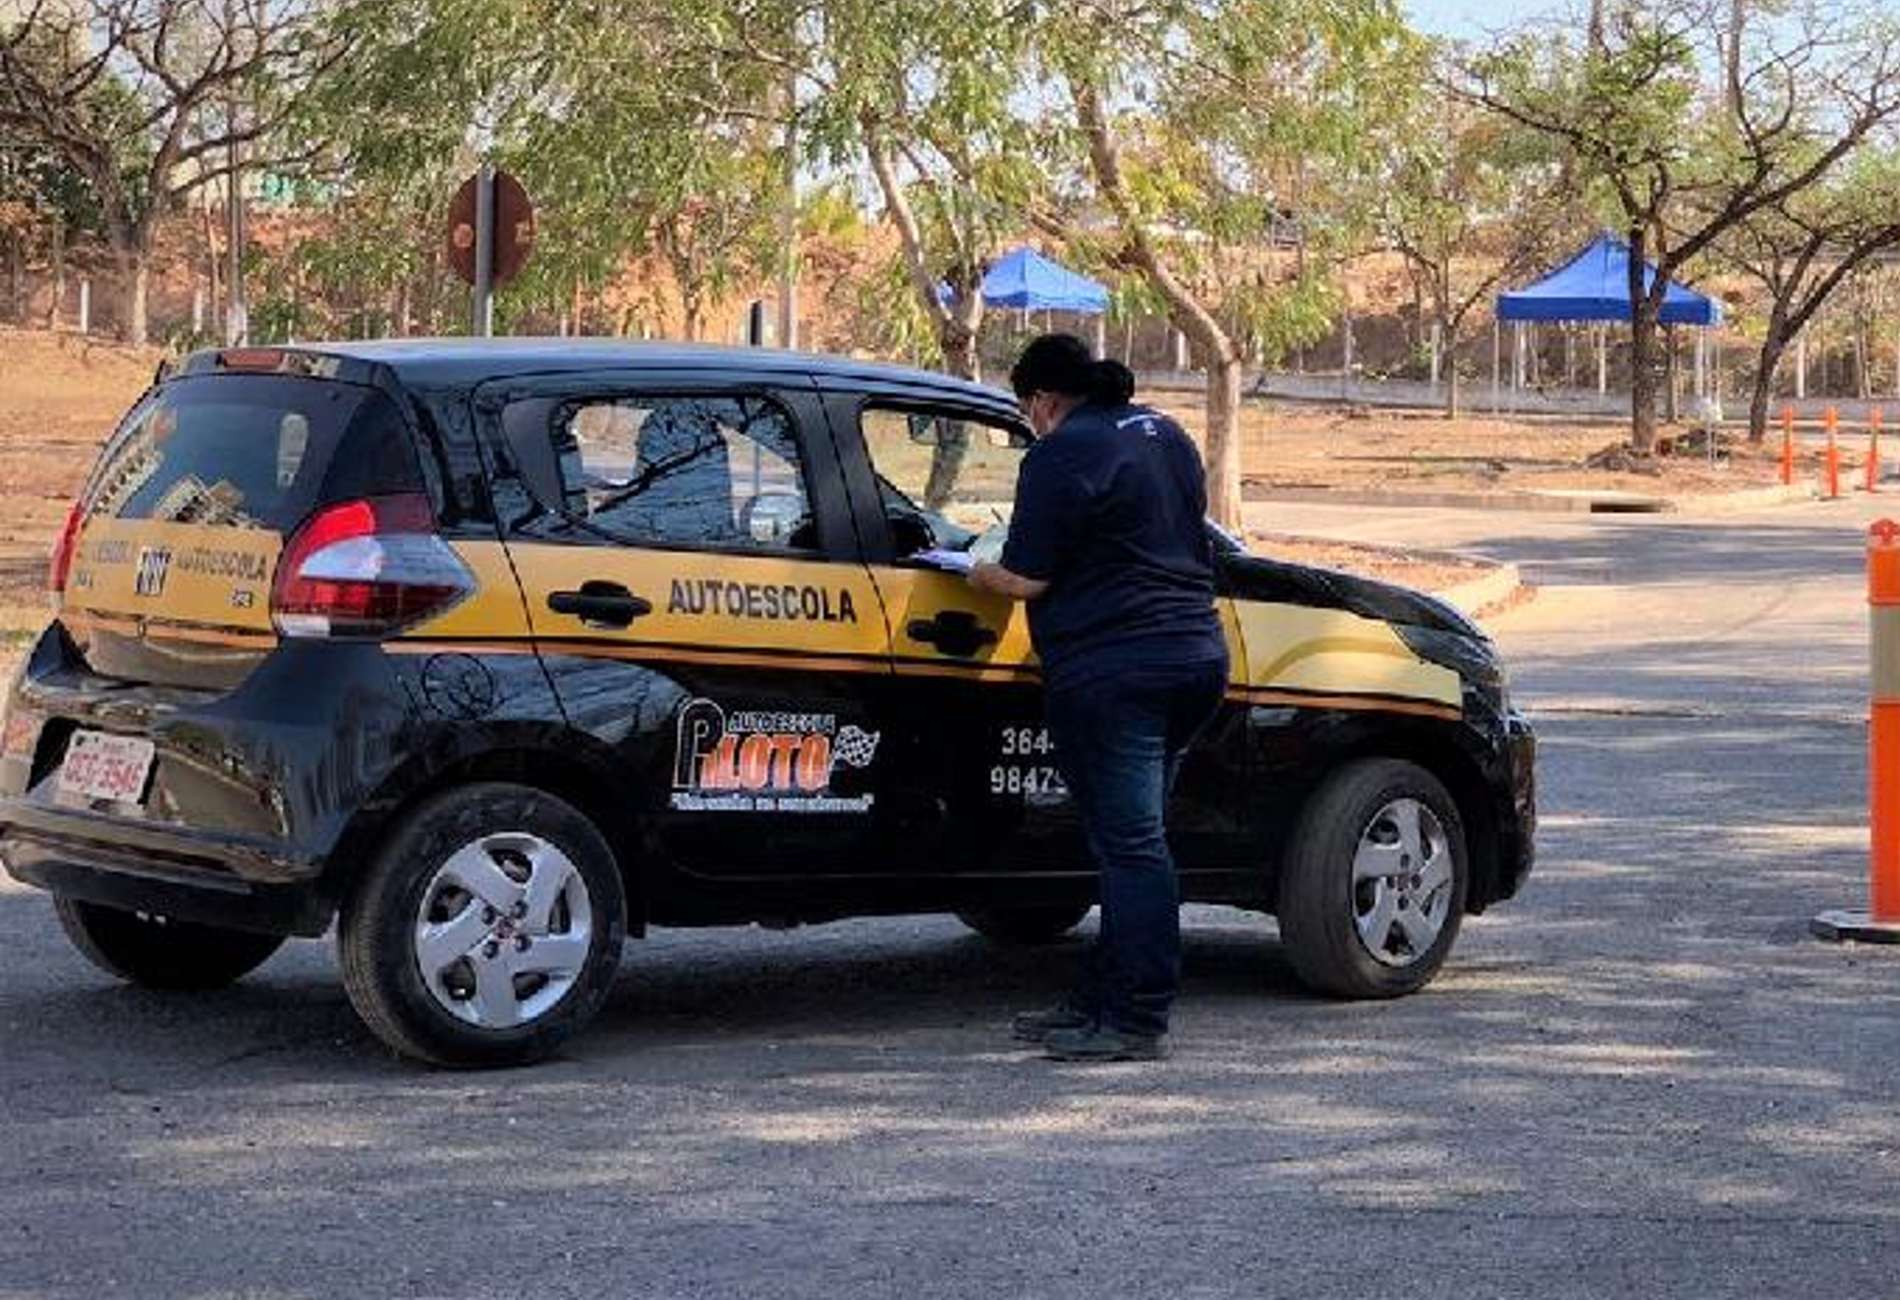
(235, 451)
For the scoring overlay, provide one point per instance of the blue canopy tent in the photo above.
(1594, 286)
(1028, 281)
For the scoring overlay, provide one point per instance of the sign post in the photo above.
(483, 302)
(491, 233)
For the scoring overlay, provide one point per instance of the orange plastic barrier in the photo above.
(1787, 446)
(1880, 923)
(1833, 462)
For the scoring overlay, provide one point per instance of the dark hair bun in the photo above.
(1111, 383)
(1060, 363)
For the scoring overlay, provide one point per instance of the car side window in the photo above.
(720, 472)
(950, 474)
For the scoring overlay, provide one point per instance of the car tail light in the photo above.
(366, 568)
(62, 561)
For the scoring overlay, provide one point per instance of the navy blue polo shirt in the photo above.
(1111, 512)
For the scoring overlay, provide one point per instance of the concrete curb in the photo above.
(1746, 499)
(1553, 500)
(1431, 500)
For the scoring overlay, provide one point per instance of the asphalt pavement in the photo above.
(1641, 1078)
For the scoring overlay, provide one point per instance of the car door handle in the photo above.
(600, 604)
(953, 631)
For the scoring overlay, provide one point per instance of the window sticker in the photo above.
(759, 760)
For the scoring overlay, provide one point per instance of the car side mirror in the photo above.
(910, 533)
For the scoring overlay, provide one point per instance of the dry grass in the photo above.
(1289, 445)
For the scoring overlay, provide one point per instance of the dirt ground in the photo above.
(1296, 445)
(60, 396)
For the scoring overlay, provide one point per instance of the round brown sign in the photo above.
(514, 229)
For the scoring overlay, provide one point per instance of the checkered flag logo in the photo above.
(854, 747)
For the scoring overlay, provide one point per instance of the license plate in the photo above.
(99, 766)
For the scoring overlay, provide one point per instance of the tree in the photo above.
(1681, 161)
(1803, 248)
(1194, 127)
(135, 96)
(1472, 202)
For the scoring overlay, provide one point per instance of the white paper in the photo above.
(950, 561)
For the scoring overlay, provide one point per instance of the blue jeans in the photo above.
(1119, 741)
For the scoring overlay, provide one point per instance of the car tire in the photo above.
(1373, 885)
(158, 952)
(1024, 926)
(487, 930)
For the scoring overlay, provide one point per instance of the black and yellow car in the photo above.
(492, 653)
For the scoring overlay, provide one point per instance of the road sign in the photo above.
(514, 229)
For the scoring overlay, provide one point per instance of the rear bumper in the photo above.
(192, 877)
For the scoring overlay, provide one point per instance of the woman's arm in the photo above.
(997, 580)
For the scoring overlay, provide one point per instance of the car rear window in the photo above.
(243, 451)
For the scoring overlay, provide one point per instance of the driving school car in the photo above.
(494, 653)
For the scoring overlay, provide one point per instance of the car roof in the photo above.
(438, 362)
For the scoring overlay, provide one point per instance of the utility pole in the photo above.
(788, 224)
(237, 325)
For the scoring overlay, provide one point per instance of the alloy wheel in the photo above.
(503, 930)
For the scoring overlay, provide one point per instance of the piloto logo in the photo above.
(771, 760)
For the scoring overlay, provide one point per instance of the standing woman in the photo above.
(1108, 545)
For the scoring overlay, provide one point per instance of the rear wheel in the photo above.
(488, 929)
(1373, 887)
(161, 953)
(1022, 926)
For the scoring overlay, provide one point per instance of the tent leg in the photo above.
(1345, 368)
(1437, 343)
(1673, 380)
(1517, 364)
(1497, 404)
(1101, 336)
(1603, 360)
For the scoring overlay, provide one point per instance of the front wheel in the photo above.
(158, 952)
(487, 930)
(1024, 926)
(1373, 886)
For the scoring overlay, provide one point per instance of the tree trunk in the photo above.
(1200, 325)
(16, 276)
(959, 348)
(1454, 394)
(1643, 379)
(1223, 435)
(136, 267)
(1759, 396)
(58, 303)
(1645, 311)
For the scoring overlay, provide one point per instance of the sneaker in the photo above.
(1100, 1043)
(1036, 1026)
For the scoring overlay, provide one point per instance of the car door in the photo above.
(931, 469)
(694, 589)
